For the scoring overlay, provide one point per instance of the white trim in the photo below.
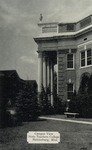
(69, 51)
(86, 43)
(85, 66)
(57, 28)
(70, 68)
(69, 80)
(85, 47)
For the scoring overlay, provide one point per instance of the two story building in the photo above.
(69, 45)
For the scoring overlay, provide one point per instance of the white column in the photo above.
(44, 73)
(52, 80)
(40, 72)
(50, 74)
(57, 73)
(48, 68)
(48, 79)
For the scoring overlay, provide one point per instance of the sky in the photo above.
(18, 27)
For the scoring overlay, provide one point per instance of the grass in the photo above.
(72, 136)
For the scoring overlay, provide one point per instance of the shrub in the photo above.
(45, 104)
(82, 104)
(59, 105)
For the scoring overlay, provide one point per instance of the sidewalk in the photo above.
(64, 119)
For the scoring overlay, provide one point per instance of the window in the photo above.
(89, 57)
(86, 58)
(69, 90)
(82, 58)
(70, 61)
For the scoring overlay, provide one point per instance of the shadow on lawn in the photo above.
(11, 122)
(40, 119)
(36, 120)
(14, 122)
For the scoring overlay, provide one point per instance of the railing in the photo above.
(66, 27)
(49, 28)
(85, 22)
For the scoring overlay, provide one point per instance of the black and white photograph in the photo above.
(45, 75)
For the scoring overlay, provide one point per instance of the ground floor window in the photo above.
(69, 90)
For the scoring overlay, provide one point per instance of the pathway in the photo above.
(66, 120)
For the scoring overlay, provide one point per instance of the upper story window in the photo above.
(82, 58)
(86, 58)
(70, 61)
(89, 57)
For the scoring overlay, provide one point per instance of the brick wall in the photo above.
(82, 45)
(65, 76)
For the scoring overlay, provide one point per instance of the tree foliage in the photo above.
(45, 103)
(26, 102)
(82, 102)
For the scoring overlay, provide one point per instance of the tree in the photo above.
(84, 83)
(90, 85)
(82, 102)
(45, 104)
(59, 105)
(26, 102)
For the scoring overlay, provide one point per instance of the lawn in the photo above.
(72, 136)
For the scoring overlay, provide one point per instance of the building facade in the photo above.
(69, 45)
